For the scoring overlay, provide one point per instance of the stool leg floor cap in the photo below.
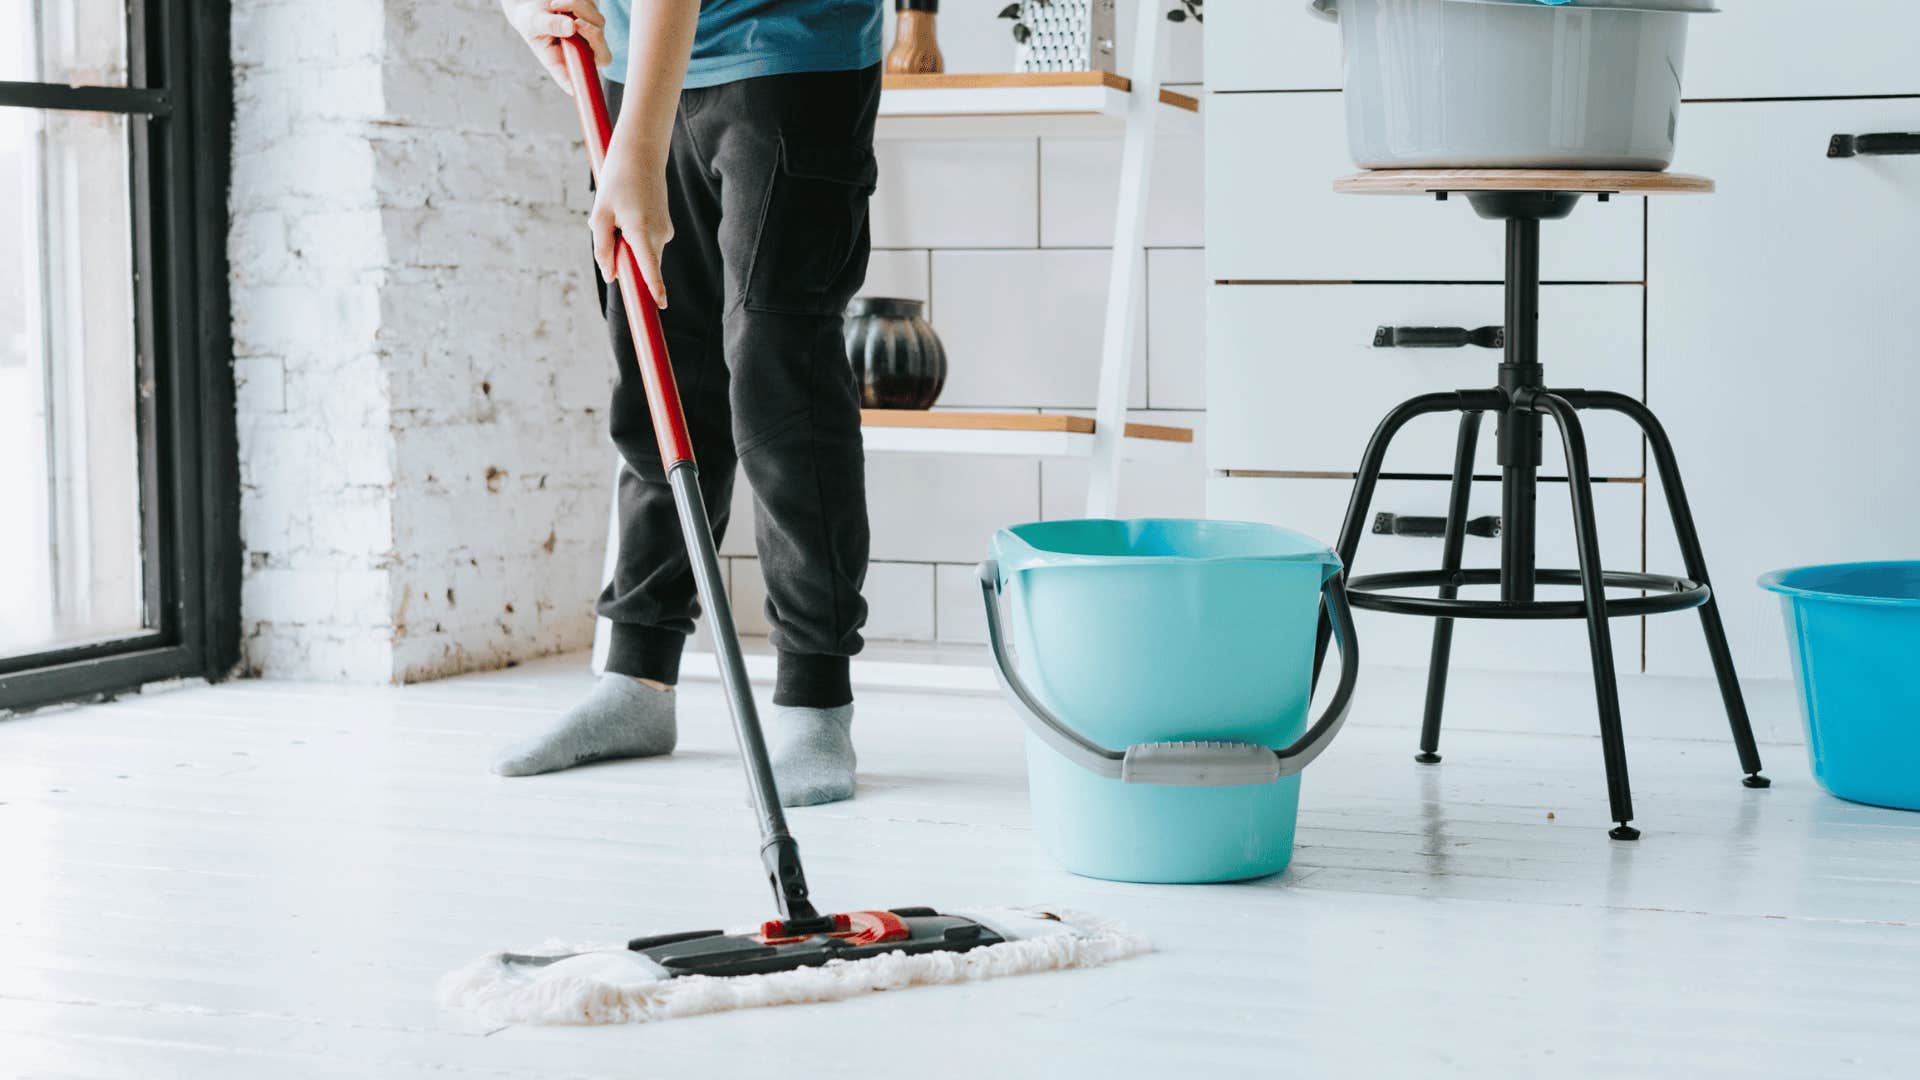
(1427, 757)
(1757, 781)
(1625, 832)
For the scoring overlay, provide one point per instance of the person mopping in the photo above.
(744, 135)
(769, 168)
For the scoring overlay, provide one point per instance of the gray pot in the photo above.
(1513, 84)
(897, 359)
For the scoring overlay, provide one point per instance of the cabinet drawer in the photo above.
(1831, 49)
(1272, 213)
(1295, 384)
(1270, 45)
(1316, 507)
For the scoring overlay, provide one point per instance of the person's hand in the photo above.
(631, 198)
(542, 23)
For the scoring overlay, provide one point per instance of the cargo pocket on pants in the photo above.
(815, 219)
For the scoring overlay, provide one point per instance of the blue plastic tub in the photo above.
(1854, 630)
(1164, 668)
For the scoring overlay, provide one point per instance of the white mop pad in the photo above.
(611, 985)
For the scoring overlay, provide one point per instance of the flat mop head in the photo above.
(676, 975)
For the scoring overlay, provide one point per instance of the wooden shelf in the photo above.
(1012, 435)
(1582, 181)
(1012, 103)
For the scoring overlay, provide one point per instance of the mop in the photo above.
(802, 955)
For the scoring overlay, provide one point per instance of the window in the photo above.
(118, 531)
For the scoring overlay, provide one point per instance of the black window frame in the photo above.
(178, 102)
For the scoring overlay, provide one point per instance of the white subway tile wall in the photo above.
(961, 611)
(738, 539)
(1080, 190)
(1022, 328)
(905, 273)
(1177, 328)
(957, 193)
(941, 508)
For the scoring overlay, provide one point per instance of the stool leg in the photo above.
(1450, 555)
(1696, 563)
(1368, 478)
(1606, 689)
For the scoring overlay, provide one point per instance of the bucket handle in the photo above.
(1181, 764)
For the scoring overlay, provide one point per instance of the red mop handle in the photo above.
(643, 319)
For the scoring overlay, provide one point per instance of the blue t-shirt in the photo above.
(745, 39)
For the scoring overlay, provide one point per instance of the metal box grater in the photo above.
(1068, 35)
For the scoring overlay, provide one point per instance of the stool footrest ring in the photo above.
(1666, 595)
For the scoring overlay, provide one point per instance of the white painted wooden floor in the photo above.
(264, 880)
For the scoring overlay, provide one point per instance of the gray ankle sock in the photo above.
(623, 717)
(812, 749)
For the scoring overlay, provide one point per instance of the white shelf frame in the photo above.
(984, 107)
(1126, 275)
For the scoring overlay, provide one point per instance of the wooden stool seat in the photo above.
(1573, 181)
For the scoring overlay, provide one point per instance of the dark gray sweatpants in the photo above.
(768, 184)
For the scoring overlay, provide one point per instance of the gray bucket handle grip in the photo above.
(1182, 764)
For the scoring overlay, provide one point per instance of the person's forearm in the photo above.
(657, 52)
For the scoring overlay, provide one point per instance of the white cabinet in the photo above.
(1270, 45)
(1783, 357)
(1316, 507)
(1300, 386)
(1272, 213)
(1789, 48)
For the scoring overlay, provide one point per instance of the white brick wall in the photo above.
(423, 373)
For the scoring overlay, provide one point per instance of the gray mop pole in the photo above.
(777, 848)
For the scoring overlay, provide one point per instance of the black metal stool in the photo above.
(1523, 199)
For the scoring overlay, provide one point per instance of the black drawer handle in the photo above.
(1439, 337)
(1435, 527)
(1889, 142)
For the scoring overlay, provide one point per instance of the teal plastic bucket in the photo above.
(1854, 631)
(1165, 669)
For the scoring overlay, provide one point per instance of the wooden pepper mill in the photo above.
(915, 52)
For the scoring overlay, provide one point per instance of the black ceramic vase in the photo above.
(897, 359)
